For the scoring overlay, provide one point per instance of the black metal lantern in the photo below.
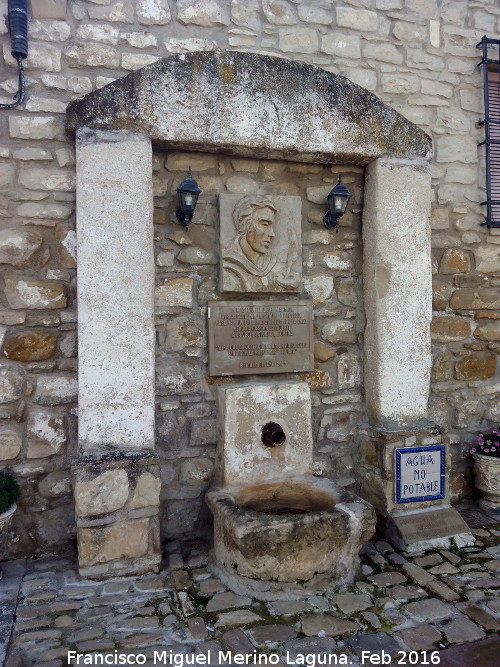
(188, 192)
(337, 204)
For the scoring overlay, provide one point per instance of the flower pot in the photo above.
(487, 476)
(6, 517)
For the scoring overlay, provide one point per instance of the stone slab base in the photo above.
(489, 508)
(419, 531)
(117, 502)
(267, 591)
(377, 469)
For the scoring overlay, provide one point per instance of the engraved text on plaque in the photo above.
(260, 337)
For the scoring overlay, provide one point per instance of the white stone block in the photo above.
(115, 291)
(397, 256)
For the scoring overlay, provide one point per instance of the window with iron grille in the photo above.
(490, 63)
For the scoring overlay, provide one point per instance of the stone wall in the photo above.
(418, 56)
(187, 277)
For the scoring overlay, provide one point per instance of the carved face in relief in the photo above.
(260, 232)
(260, 243)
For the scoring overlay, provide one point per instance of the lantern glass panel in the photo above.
(339, 203)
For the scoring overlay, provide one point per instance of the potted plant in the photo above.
(9, 493)
(486, 454)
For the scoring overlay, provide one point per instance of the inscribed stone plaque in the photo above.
(260, 243)
(260, 337)
(430, 525)
(420, 473)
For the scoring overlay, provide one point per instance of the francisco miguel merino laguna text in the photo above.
(168, 657)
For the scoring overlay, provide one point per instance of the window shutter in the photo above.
(491, 77)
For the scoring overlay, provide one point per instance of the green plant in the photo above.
(9, 491)
(487, 444)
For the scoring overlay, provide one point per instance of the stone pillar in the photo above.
(397, 281)
(397, 290)
(117, 475)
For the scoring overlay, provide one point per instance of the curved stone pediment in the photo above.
(251, 104)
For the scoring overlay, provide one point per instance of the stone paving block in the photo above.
(186, 604)
(315, 646)
(493, 565)
(290, 607)
(394, 616)
(263, 634)
(397, 559)
(421, 638)
(462, 629)
(453, 558)
(39, 622)
(384, 547)
(319, 602)
(483, 653)
(375, 643)
(238, 641)
(493, 583)
(63, 621)
(79, 592)
(175, 562)
(211, 586)
(178, 579)
(350, 602)
(387, 579)
(140, 640)
(240, 617)
(479, 615)
(197, 628)
(329, 626)
(139, 623)
(417, 573)
(197, 560)
(54, 653)
(426, 561)
(92, 632)
(150, 584)
(101, 602)
(95, 645)
(70, 605)
(228, 601)
(406, 592)
(494, 605)
(15, 660)
(41, 596)
(213, 646)
(372, 619)
(94, 613)
(115, 587)
(429, 610)
(442, 591)
(39, 636)
(444, 568)
(495, 549)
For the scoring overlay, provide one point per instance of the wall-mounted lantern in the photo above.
(337, 204)
(188, 192)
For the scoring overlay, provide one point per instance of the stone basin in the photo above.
(286, 538)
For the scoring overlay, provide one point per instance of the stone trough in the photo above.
(279, 530)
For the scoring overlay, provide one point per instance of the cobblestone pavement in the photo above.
(445, 598)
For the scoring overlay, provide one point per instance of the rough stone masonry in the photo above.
(418, 56)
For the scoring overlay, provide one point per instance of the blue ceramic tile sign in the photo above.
(420, 473)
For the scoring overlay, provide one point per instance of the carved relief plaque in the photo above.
(247, 337)
(261, 246)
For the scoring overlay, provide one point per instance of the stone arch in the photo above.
(249, 105)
